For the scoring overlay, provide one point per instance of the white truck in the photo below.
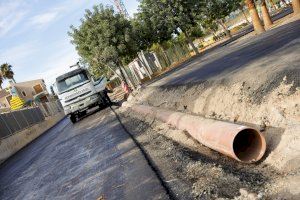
(78, 92)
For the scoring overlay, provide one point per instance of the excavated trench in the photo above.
(199, 171)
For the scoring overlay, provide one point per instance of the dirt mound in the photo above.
(277, 114)
(194, 171)
(272, 107)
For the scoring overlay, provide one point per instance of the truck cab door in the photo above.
(100, 84)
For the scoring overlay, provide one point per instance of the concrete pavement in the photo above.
(92, 159)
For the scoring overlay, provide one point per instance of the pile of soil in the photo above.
(193, 171)
(196, 172)
(275, 110)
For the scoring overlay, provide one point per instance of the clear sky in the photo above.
(34, 39)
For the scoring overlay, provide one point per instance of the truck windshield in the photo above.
(71, 81)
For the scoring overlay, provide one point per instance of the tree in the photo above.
(172, 17)
(104, 39)
(258, 27)
(7, 72)
(217, 10)
(147, 32)
(265, 13)
(296, 6)
(209, 26)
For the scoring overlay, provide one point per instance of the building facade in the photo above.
(28, 91)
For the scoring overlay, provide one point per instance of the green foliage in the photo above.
(216, 11)
(169, 17)
(99, 71)
(195, 32)
(104, 38)
(219, 9)
(145, 34)
(6, 72)
(209, 25)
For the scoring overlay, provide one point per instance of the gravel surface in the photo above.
(193, 171)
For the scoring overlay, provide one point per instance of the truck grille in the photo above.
(86, 93)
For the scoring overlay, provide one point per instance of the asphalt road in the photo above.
(249, 28)
(93, 159)
(263, 55)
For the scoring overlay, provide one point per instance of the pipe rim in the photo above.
(249, 145)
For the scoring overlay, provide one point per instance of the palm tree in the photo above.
(296, 6)
(265, 13)
(7, 72)
(258, 27)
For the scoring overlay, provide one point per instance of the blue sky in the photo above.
(34, 39)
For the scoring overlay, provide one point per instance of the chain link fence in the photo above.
(15, 121)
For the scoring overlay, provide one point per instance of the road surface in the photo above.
(93, 159)
(263, 55)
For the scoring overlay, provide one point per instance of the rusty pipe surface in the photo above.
(240, 142)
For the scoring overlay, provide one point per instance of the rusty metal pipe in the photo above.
(242, 143)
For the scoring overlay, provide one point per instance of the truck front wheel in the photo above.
(73, 118)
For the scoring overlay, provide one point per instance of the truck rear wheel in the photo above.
(73, 118)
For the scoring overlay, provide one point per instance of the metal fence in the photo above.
(172, 55)
(15, 121)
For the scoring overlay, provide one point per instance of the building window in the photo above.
(23, 93)
(8, 98)
(38, 89)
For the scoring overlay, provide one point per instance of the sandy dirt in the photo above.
(197, 172)
(275, 111)
(193, 171)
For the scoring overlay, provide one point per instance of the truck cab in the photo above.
(78, 92)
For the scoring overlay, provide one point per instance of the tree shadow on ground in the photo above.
(260, 46)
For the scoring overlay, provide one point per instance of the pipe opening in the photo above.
(248, 145)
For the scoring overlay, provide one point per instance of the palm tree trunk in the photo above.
(258, 27)
(191, 42)
(265, 13)
(296, 6)
(225, 28)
